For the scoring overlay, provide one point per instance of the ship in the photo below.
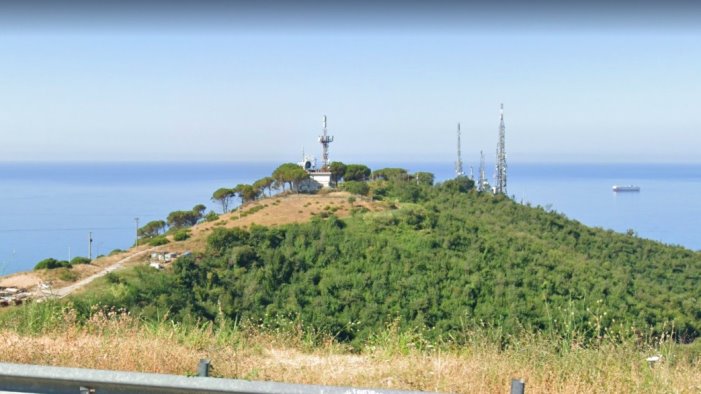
(626, 188)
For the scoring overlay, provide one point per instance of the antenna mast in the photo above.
(458, 164)
(500, 186)
(325, 140)
(482, 181)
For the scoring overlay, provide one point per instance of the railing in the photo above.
(23, 378)
(59, 380)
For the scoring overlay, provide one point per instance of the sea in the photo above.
(53, 209)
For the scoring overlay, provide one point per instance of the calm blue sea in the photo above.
(48, 209)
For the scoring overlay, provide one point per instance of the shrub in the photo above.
(351, 199)
(181, 235)
(80, 260)
(211, 216)
(158, 241)
(116, 251)
(356, 187)
(51, 263)
(67, 275)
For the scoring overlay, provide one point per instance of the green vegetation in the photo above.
(338, 170)
(80, 260)
(182, 219)
(151, 229)
(181, 235)
(265, 183)
(158, 241)
(356, 187)
(447, 259)
(67, 275)
(290, 174)
(211, 216)
(246, 193)
(356, 172)
(52, 263)
(223, 196)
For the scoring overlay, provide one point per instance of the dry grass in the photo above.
(119, 342)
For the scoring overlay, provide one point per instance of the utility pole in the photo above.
(90, 246)
(136, 243)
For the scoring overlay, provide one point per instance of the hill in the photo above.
(282, 209)
(443, 259)
(423, 287)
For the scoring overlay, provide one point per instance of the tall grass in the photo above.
(481, 360)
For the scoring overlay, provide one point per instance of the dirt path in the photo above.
(64, 291)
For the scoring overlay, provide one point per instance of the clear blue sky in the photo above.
(236, 91)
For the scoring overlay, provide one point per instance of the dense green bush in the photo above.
(444, 260)
(211, 216)
(52, 263)
(80, 260)
(356, 187)
(181, 235)
(158, 241)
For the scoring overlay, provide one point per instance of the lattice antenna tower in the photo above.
(482, 181)
(458, 164)
(325, 140)
(500, 186)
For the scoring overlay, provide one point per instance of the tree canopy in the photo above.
(151, 229)
(291, 174)
(181, 219)
(356, 172)
(224, 195)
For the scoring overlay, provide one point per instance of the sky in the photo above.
(227, 81)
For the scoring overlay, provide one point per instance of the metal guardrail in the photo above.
(59, 380)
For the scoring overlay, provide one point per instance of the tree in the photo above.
(151, 229)
(390, 174)
(265, 183)
(338, 170)
(180, 219)
(460, 184)
(356, 172)
(199, 210)
(291, 174)
(424, 178)
(246, 192)
(223, 195)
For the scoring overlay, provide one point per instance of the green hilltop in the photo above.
(441, 259)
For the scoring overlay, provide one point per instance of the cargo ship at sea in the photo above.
(626, 188)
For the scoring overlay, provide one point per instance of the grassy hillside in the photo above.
(430, 288)
(442, 261)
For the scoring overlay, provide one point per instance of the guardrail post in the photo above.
(203, 368)
(518, 386)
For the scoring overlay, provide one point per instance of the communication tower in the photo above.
(482, 183)
(458, 164)
(500, 187)
(325, 140)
